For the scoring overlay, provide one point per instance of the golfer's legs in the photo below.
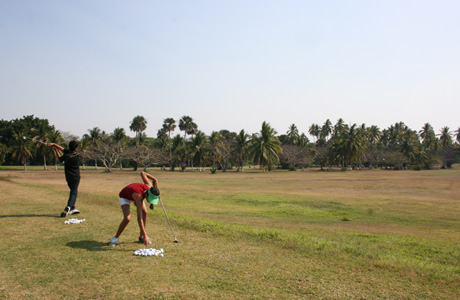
(126, 219)
(144, 217)
(73, 185)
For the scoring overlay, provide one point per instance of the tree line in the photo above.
(333, 145)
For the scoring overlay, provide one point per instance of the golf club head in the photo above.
(176, 241)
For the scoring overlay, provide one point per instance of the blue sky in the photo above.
(230, 64)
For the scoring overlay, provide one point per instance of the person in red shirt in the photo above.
(137, 192)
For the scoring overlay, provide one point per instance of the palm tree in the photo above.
(142, 137)
(339, 127)
(138, 125)
(56, 138)
(162, 141)
(401, 127)
(187, 125)
(198, 149)
(180, 152)
(373, 134)
(21, 149)
(303, 140)
(350, 145)
(241, 148)
(94, 136)
(410, 145)
(161, 133)
(83, 148)
(184, 123)
(445, 137)
(457, 136)
(392, 137)
(326, 130)
(227, 148)
(426, 131)
(293, 134)
(119, 135)
(428, 136)
(265, 147)
(422, 157)
(43, 131)
(314, 131)
(215, 144)
(169, 124)
(177, 145)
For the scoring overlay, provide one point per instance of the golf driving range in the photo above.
(276, 235)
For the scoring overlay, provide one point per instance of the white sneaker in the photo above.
(74, 211)
(113, 241)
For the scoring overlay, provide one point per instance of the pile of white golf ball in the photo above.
(74, 221)
(149, 252)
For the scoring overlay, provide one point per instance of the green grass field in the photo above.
(277, 235)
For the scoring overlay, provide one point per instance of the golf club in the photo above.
(175, 239)
(25, 137)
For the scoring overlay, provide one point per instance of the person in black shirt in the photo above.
(71, 161)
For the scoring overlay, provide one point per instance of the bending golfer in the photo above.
(71, 161)
(137, 192)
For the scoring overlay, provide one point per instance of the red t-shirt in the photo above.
(127, 191)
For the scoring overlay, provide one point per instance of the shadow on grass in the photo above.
(89, 245)
(29, 216)
(93, 246)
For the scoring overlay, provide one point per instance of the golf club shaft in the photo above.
(175, 239)
(25, 137)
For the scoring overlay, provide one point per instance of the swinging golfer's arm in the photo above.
(146, 176)
(140, 221)
(55, 146)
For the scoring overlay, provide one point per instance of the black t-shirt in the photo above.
(71, 165)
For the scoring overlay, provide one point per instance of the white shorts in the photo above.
(124, 201)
